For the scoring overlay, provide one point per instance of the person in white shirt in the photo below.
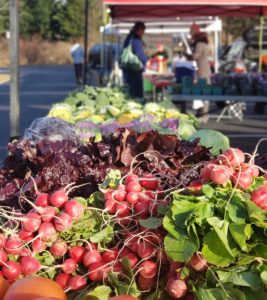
(77, 55)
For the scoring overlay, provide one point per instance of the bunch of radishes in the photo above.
(138, 198)
(230, 165)
(26, 235)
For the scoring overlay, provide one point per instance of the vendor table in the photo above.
(233, 103)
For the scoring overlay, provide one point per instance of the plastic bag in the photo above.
(52, 129)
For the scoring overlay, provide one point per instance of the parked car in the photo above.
(110, 52)
(243, 53)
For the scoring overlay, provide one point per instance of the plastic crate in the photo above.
(181, 72)
(217, 90)
(186, 90)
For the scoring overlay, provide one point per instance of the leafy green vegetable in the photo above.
(151, 223)
(112, 180)
(213, 139)
(230, 231)
(101, 292)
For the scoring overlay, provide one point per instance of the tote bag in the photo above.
(129, 60)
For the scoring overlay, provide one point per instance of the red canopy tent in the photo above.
(142, 9)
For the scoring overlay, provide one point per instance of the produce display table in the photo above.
(234, 104)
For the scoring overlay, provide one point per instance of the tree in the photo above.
(53, 19)
(4, 16)
(36, 18)
(70, 18)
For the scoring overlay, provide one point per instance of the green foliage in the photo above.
(230, 232)
(52, 19)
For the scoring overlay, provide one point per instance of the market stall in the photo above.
(152, 10)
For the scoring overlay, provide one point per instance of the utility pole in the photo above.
(86, 17)
(14, 68)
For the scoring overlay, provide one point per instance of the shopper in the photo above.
(200, 52)
(77, 55)
(134, 79)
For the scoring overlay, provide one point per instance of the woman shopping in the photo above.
(134, 78)
(200, 51)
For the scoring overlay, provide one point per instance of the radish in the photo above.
(77, 283)
(124, 251)
(59, 248)
(259, 197)
(3, 257)
(175, 266)
(13, 246)
(117, 268)
(77, 253)
(242, 180)
(91, 257)
(250, 169)
(38, 245)
(48, 213)
(25, 252)
(29, 265)
(195, 185)
(97, 271)
(108, 194)
(145, 250)
(11, 270)
(90, 246)
(69, 266)
(176, 288)
(145, 284)
(220, 174)
(119, 195)
(146, 196)
(148, 269)
(149, 182)
(132, 197)
(47, 232)
(62, 279)
(2, 240)
(206, 171)
(74, 209)
(131, 177)
(110, 255)
(31, 222)
(133, 186)
(133, 259)
(110, 206)
(122, 209)
(42, 200)
(232, 157)
(198, 263)
(141, 209)
(58, 198)
(63, 222)
(26, 236)
(121, 187)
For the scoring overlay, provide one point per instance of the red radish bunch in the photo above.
(230, 165)
(259, 197)
(138, 198)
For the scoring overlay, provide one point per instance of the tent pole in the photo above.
(260, 43)
(86, 16)
(14, 68)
